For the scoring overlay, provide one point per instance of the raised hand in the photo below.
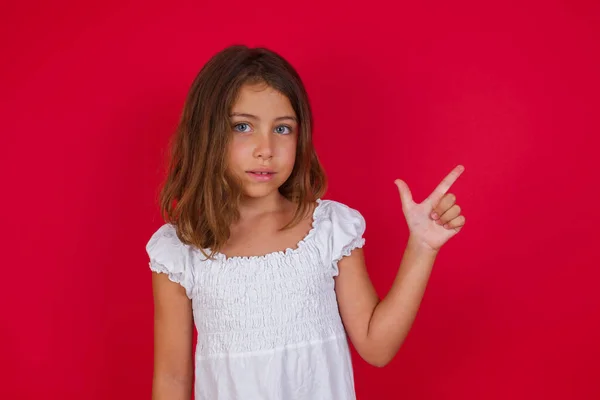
(438, 218)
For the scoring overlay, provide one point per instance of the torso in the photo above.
(268, 327)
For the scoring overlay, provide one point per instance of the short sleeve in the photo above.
(345, 229)
(168, 255)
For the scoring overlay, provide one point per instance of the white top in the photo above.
(268, 326)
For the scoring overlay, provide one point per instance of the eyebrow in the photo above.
(254, 117)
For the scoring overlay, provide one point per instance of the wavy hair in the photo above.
(199, 196)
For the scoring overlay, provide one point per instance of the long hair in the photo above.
(199, 196)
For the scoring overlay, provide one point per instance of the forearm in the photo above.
(393, 316)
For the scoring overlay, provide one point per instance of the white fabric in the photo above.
(268, 326)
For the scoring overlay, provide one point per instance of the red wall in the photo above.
(90, 92)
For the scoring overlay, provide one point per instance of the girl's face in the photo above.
(262, 150)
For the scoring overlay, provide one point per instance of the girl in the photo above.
(272, 276)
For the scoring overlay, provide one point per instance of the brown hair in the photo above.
(199, 197)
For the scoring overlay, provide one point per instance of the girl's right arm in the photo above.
(173, 329)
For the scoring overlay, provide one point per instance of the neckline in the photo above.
(280, 253)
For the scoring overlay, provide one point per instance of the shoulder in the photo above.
(165, 234)
(339, 213)
(164, 245)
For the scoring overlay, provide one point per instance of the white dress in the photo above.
(268, 326)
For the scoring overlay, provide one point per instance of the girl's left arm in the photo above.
(377, 328)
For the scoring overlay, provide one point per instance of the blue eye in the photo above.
(282, 130)
(243, 127)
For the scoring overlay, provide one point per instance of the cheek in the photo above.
(289, 152)
(235, 152)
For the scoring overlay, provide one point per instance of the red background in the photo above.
(91, 91)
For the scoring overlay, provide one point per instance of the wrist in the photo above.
(418, 246)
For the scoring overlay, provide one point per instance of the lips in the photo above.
(261, 171)
(261, 175)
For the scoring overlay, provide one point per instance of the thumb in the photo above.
(405, 194)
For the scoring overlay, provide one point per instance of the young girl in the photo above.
(272, 276)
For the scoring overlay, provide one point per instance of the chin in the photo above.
(257, 192)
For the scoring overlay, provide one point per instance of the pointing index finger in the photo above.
(445, 185)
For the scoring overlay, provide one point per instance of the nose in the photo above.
(264, 146)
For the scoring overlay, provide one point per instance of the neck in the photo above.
(253, 206)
